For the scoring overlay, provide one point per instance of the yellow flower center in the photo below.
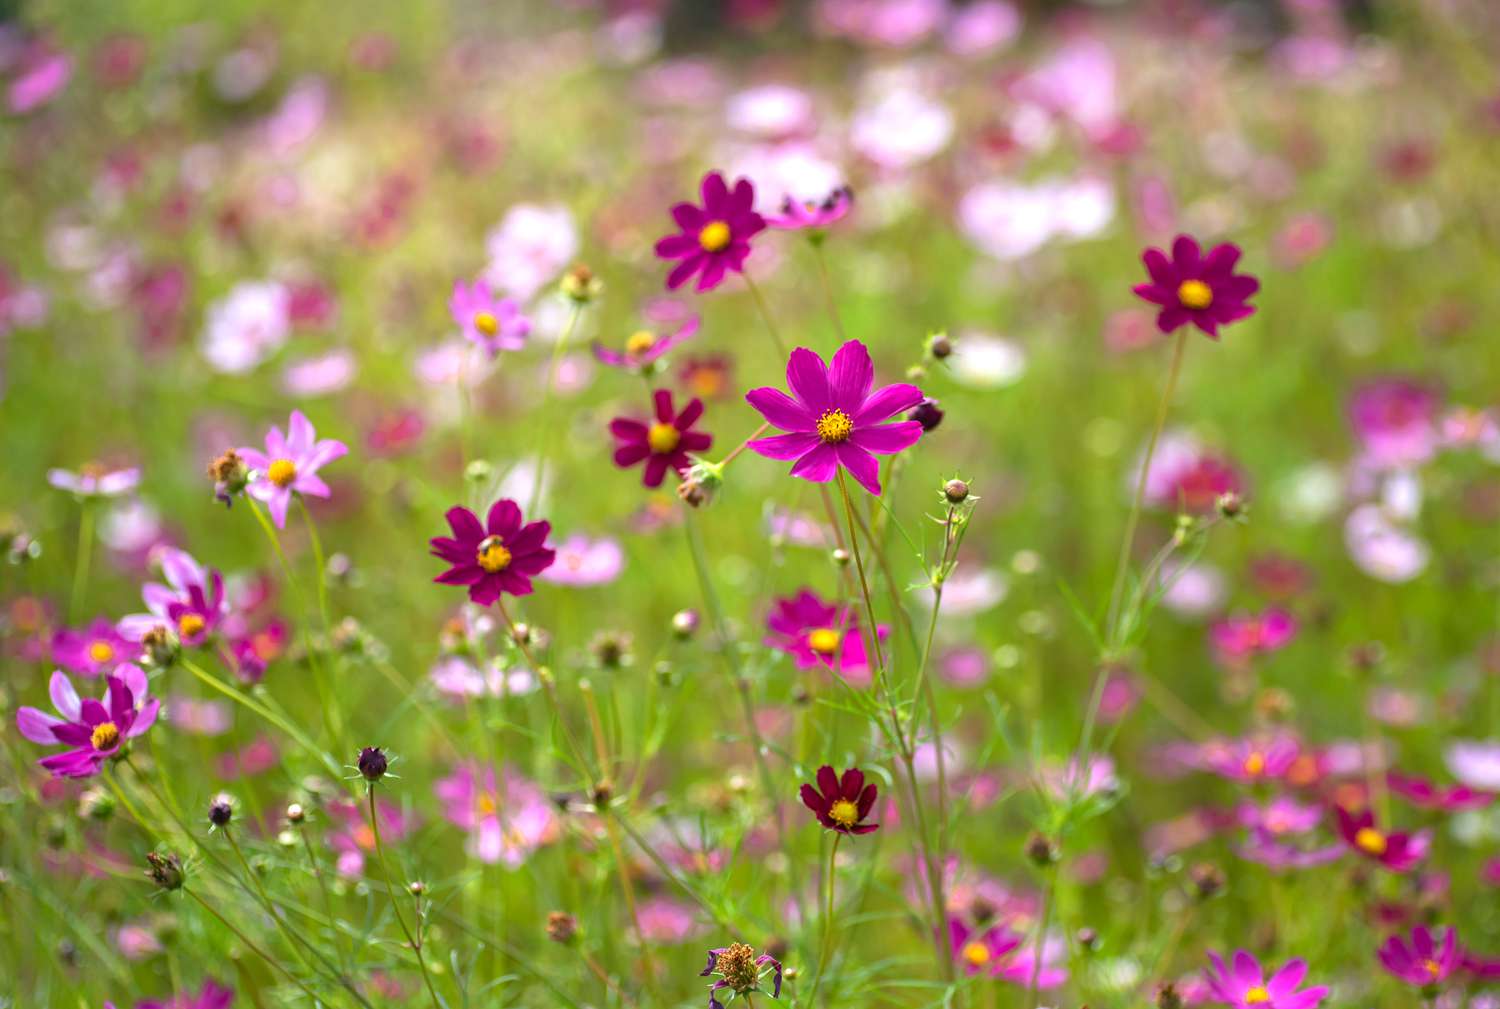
(834, 427)
(1255, 764)
(1432, 967)
(1257, 995)
(663, 438)
(1195, 294)
(486, 805)
(714, 236)
(101, 651)
(492, 555)
(640, 341)
(486, 323)
(976, 954)
(844, 813)
(282, 472)
(1371, 840)
(105, 735)
(190, 624)
(824, 640)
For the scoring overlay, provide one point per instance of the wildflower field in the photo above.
(825, 503)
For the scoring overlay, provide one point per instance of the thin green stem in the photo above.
(345, 954)
(239, 696)
(84, 556)
(558, 350)
(251, 946)
(318, 560)
(765, 314)
(826, 942)
(390, 889)
(827, 284)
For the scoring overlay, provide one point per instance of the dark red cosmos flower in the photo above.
(664, 444)
(502, 555)
(1197, 289)
(842, 803)
(1398, 852)
(714, 238)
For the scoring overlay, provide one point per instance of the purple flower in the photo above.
(290, 465)
(1398, 852)
(498, 557)
(94, 730)
(1395, 420)
(582, 562)
(1262, 845)
(191, 604)
(798, 215)
(493, 324)
(1197, 289)
(1421, 960)
(95, 481)
(834, 420)
(663, 444)
(1427, 795)
(816, 633)
(1244, 987)
(741, 971)
(1249, 760)
(714, 238)
(841, 803)
(980, 952)
(646, 346)
(97, 649)
(507, 816)
(211, 996)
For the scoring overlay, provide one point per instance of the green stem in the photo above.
(85, 554)
(281, 723)
(390, 889)
(345, 955)
(765, 314)
(251, 946)
(827, 285)
(825, 944)
(318, 560)
(557, 354)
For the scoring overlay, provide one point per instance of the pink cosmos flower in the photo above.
(456, 677)
(1250, 760)
(351, 836)
(664, 920)
(582, 561)
(1424, 794)
(1239, 638)
(646, 346)
(1423, 959)
(1267, 848)
(980, 952)
(1395, 420)
(1197, 289)
(211, 996)
(501, 556)
(1395, 851)
(1281, 815)
(1476, 763)
(96, 481)
(490, 323)
(805, 215)
(1186, 475)
(1245, 987)
(506, 824)
(191, 604)
(93, 651)
(94, 730)
(834, 420)
(715, 238)
(815, 633)
(43, 77)
(663, 444)
(1044, 963)
(290, 465)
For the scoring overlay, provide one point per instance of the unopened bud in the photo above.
(956, 491)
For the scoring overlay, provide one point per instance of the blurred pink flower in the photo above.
(506, 824)
(582, 561)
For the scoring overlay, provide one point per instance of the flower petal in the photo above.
(851, 376)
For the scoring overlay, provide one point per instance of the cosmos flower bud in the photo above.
(1231, 506)
(956, 491)
(841, 557)
(1041, 850)
(939, 346)
(692, 493)
(602, 793)
(416, 888)
(96, 804)
(1167, 997)
(165, 870)
(561, 927)
(685, 624)
(1207, 878)
(927, 414)
(521, 634)
(220, 810)
(161, 646)
(1366, 657)
(373, 763)
(295, 813)
(479, 472)
(230, 474)
(580, 284)
(611, 650)
(1088, 939)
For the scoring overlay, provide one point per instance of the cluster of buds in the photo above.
(580, 285)
(740, 972)
(230, 475)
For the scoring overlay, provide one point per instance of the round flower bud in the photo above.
(220, 810)
(373, 763)
(927, 414)
(561, 927)
(416, 888)
(939, 346)
(164, 870)
(841, 557)
(295, 813)
(956, 491)
(685, 624)
(1041, 851)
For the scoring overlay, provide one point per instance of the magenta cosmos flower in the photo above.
(290, 465)
(1239, 638)
(93, 730)
(1424, 959)
(980, 952)
(817, 633)
(801, 215)
(714, 238)
(211, 996)
(841, 804)
(500, 556)
(1197, 289)
(1398, 852)
(506, 816)
(1250, 760)
(490, 323)
(832, 417)
(1244, 986)
(95, 650)
(191, 604)
(663, 444)
(1429, 795)
(670, 326)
